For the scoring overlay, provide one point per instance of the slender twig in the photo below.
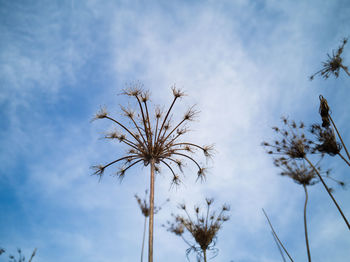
(274, 233)
(278, 246)
(345, 69)
(346, 161)
(341, 139)
(143, 238)
(305, 226)
(328, 191)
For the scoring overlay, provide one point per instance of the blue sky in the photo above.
(243, 63)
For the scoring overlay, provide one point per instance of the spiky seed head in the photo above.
(190, 114)
(134, 90)
(99, 169)
(144, 96)
(209, 201)
(158, 113)
(102, 113)
(177, 92)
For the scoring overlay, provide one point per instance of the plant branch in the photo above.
(305, 226)
(328, 191)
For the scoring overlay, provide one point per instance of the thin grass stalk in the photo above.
(151, 213)
(329, 192)
(274, 233)
(345, 69)
(278, 246)
(341, 139)
(143, 238)
(305, 225)
(342, 157)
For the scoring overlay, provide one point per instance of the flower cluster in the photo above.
(154, 139)
(203, 228)
(333, 64)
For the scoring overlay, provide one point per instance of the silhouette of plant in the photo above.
(326, 136)
(21, 258)
(292, 148)
(203, 229)
(2, 251)
(276, 238)
(145, 210)
(153, 142)
(333, 64)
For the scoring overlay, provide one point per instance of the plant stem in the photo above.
(329, 192)
(205, 255)
(151, 214)
(345, 69)
(346, 161)
(278, 246)
(341, 139)
(143, 238)
(305, 226)
(274, 233)
(33, 254)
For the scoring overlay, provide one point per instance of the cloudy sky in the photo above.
(243, 64)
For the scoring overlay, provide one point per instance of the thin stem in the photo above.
(341, 139)
(151, 214)
(278, 246)
(33, 254)
(184, 239)
(305, 226)
(122, 158)
(194, 161)
(205, 255)
(138, 129)
(127, 130)
(143, 118)
(172, 131)
(274, 233)
(143, 238)
(346, 161)
(149, 124)
(188, 144)
(329, 192)
(165, 118)
(345, 69)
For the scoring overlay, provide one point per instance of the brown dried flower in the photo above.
(203, 229)
(333, 64)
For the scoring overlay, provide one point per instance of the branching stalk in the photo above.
(328, 191)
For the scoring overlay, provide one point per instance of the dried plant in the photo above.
(276, 238)
(203, 229)
(2, 251)
(333, 64)
(153, 141)
(327, 142)
(21, 258)
(292, 150)
(145, 210)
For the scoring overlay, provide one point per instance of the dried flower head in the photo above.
(326, 138)
(203, 229)
(324, 111)
(297, 170)
(293, 143)
(333, 64)
(145, 207)
(153, 139)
